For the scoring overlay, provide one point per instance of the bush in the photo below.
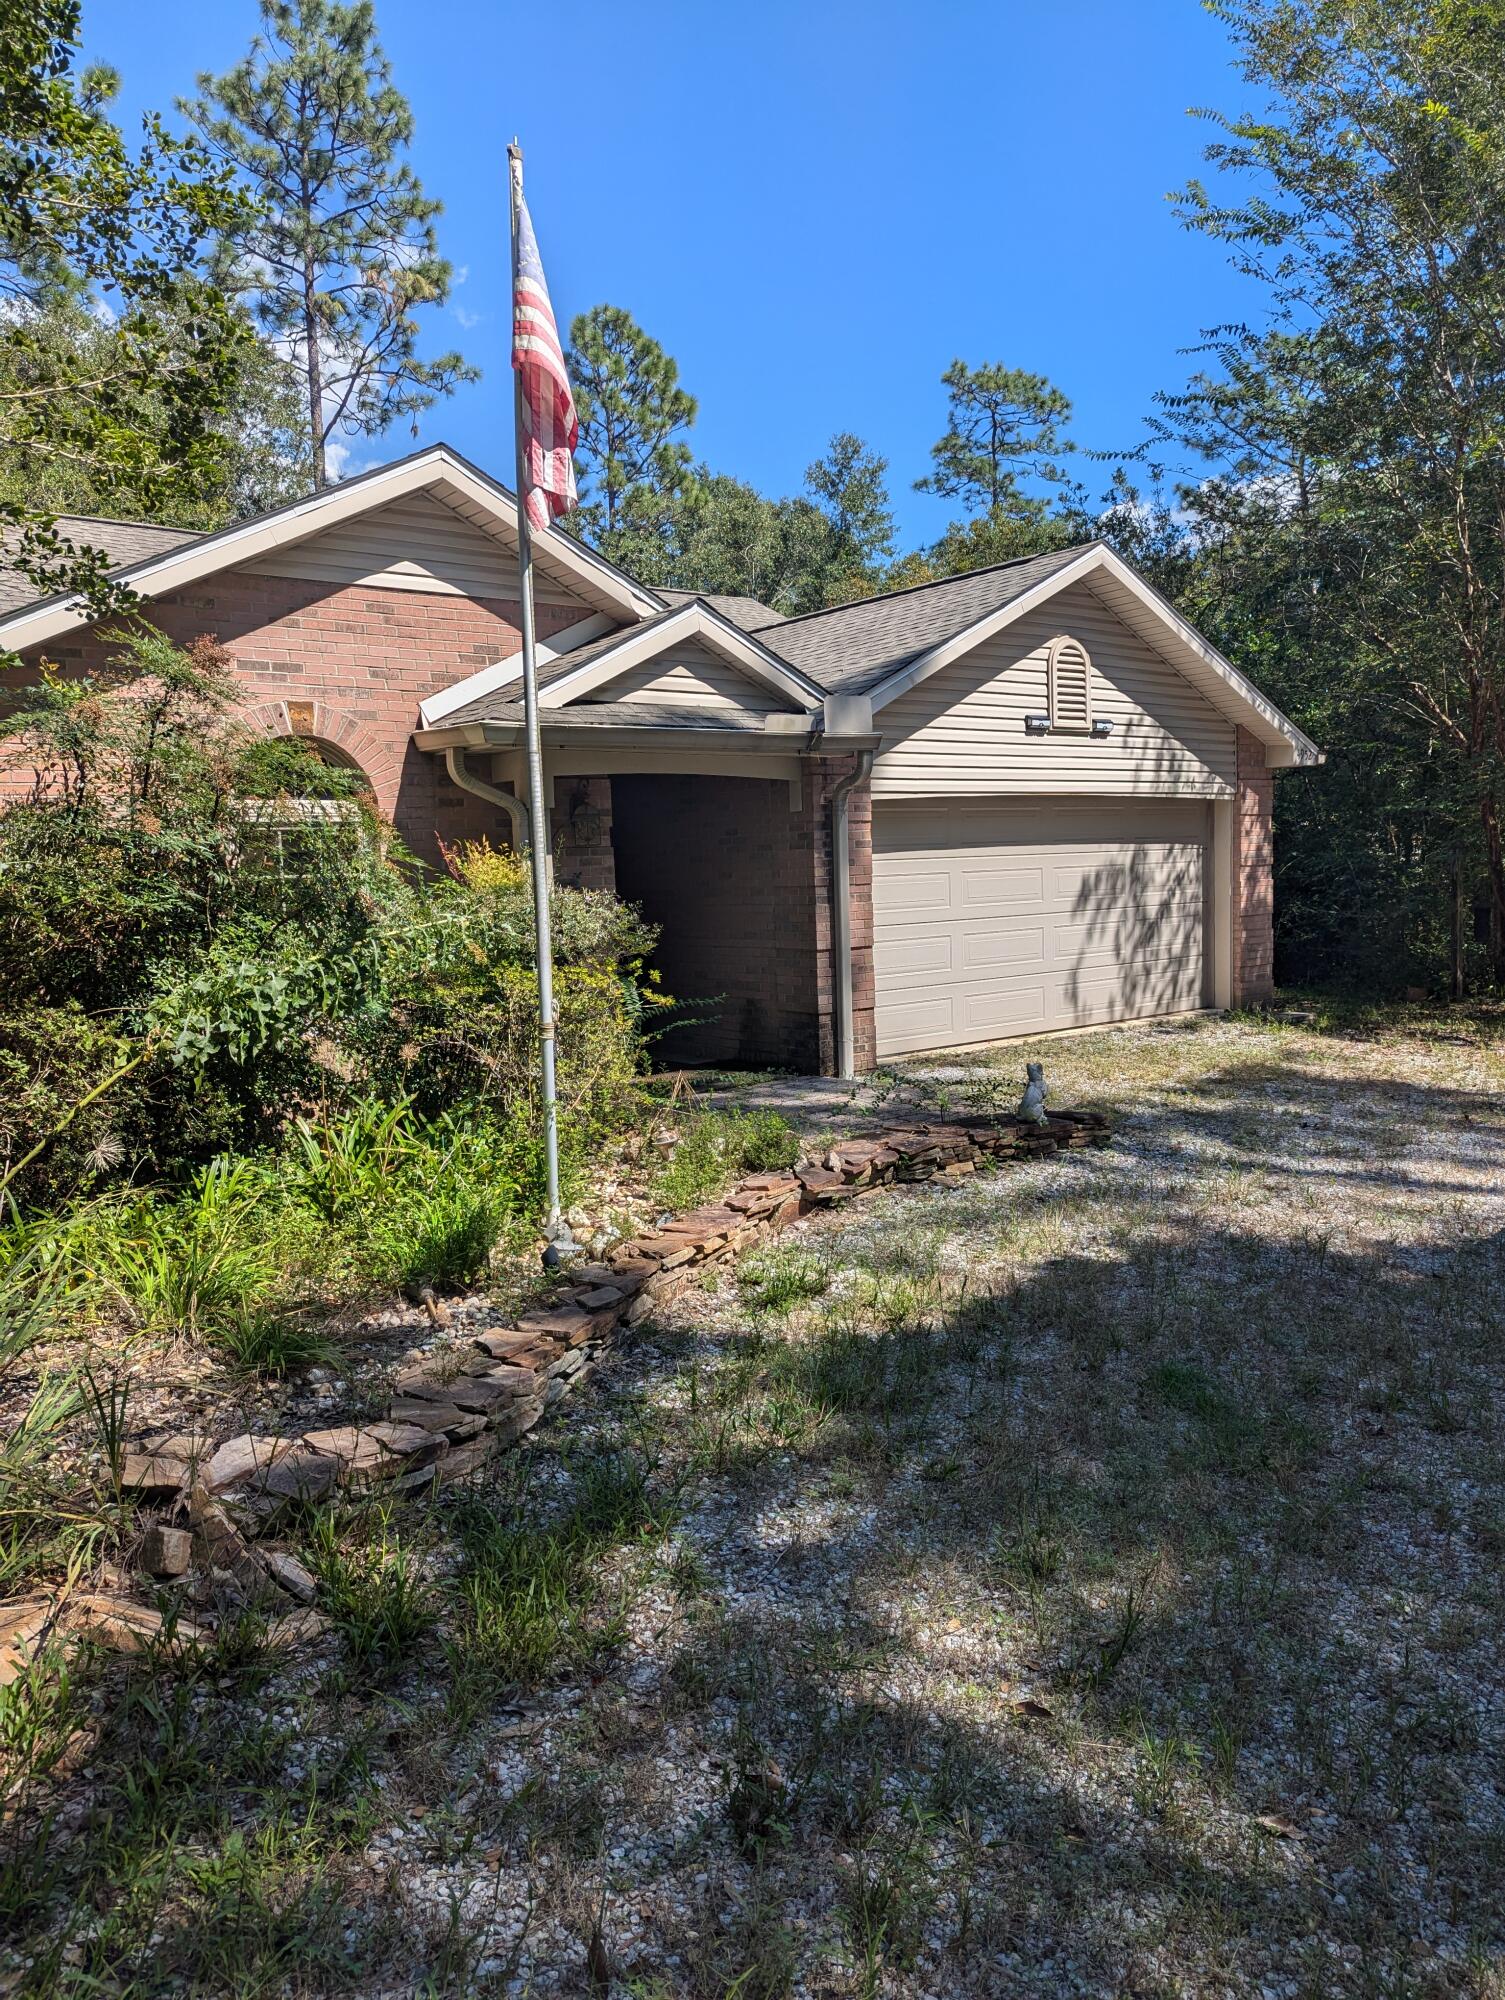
(715, 1147)
(417, 1200)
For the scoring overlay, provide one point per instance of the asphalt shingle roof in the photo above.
(745, 612)
(626, 715)
(851, 648)
(123, 543)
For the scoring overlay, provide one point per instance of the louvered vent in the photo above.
(1070, 686)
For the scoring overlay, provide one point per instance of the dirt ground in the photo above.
(1084, 1581)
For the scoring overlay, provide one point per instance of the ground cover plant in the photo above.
(1081, 1581)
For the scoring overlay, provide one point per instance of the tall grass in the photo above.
(715, 1147)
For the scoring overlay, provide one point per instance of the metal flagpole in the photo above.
(538, 812)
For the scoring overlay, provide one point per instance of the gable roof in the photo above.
(853, 657)
(852, 647)
(1142, 608)
(575, 673)
(120, 542)
(435, 469)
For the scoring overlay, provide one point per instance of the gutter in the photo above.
(841, 872)
(466, 779)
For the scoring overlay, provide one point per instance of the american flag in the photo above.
(550, 426)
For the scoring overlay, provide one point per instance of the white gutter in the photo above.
(454, 763)
(841, 871)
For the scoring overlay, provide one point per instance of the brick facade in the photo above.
(348, 665)
(1253, 860)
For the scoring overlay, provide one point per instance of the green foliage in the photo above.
(417, 1201)
(1348, 551)
(374, 1588)
(1003, 424)
(630, 406)
(137, 409)
(339, 253)
(715, 1147)
(531, 1595)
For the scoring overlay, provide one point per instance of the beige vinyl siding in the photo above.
(962, 731)
(689, 676)
(413, 544)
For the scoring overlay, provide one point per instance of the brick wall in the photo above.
(349, 664)
(581, 826)
(1253, 876)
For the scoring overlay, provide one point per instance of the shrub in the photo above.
(716, 1146)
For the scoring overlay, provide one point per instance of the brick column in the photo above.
(1253, 860)
(822, 779)
(583, 857)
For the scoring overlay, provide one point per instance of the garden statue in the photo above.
(1032, 1104)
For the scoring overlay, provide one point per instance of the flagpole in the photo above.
(538, 812)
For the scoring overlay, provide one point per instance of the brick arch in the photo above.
(320, 722)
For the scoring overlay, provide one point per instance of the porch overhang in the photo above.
(843, 723)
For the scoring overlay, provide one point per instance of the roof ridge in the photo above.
(132, 521)
(934, 583)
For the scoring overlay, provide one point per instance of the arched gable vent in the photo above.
(1070, 685)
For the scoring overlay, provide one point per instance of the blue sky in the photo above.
(814, 206)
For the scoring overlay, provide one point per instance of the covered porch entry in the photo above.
(724, 856)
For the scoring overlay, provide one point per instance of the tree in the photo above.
(255, 455)
(341, 253)
(1359, 498)
(630, 407)
(91, 228)
(1002, 424)
(850, 490)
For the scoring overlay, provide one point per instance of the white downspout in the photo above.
(466, 779)
(841, 870)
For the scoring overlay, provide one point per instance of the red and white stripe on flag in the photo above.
(550, 426)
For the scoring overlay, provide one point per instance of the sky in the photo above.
(814, 205)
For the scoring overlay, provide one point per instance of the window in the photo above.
(1069, 675)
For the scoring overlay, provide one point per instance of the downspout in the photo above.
(841, 871)
(466, 779)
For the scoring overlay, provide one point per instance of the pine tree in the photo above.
(1003, 424)
(630, 406)
(128, 404)
(343, 253)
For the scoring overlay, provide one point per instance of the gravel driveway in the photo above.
(1087, 1580)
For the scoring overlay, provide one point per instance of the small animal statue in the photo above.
(1032, 1104)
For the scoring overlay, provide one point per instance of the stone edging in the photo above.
(449, 1414)
(483, 1404)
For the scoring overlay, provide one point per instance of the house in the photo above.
(1027, 798)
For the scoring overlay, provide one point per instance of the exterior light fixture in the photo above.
(1037, 725)
(1102, 728)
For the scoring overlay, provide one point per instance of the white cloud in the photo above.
(467, 318)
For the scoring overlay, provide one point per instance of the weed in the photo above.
(267, 1340)
(532, 1597)
(716, 1146)
(778, 1281)
(373, 1588)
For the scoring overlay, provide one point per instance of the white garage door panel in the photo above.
(1007, 920)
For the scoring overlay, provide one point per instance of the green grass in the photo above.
(374, 1585)
(717, 1147)
(532, 1598)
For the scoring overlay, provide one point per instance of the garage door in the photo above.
(1006, 920)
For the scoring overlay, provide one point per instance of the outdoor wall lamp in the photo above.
(1102, 728)
(1037, 725)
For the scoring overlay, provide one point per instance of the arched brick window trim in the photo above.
(320, 723)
